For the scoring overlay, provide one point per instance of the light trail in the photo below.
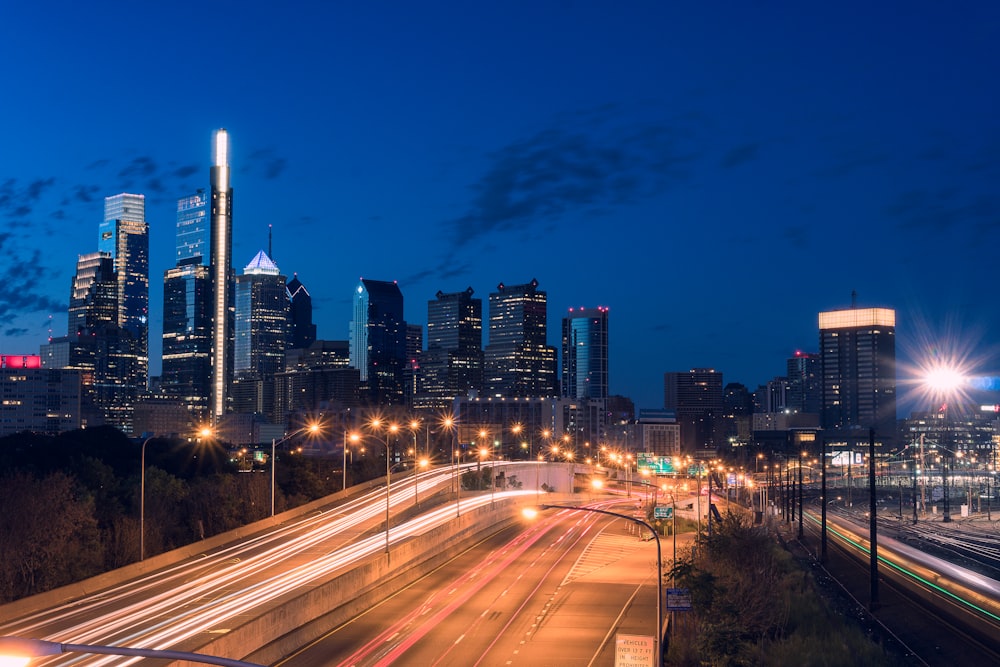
(181, 602)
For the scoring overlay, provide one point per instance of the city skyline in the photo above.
(715, 184)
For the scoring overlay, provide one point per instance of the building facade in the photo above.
(262, 334)
(518, 360)
(858, 367)
(378, 341)
(452, 364)
(696, 397)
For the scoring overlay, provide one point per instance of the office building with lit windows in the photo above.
(187, 311)
(518, 360)
(697, 399)
(124, 235)
(452, 364)
(262, 328)
(858, 370)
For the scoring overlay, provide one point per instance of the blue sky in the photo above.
(714, 173)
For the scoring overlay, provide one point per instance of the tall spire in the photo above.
(222, 274)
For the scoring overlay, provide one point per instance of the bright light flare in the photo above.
(944, 379)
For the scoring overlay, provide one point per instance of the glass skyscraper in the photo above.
(124, 235)
(378, 341)
(193, 229)
(585, 354)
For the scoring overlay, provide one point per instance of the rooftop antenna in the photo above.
(269, 242)
(854, 298)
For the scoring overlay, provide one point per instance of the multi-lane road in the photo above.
(180, 606)
(554, 591)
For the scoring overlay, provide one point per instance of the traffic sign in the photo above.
(658, 465)
(678, 599)
(663, 512)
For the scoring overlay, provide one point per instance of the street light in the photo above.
(19, 652)
(204, 432)
(449, 424)
(375, 424)
(532, 512)
(142, 499)
(354, 438)
(311, 428)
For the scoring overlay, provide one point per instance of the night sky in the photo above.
(715, 173)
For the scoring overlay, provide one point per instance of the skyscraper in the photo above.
(261, 334)
(585, 354)
(124, 235)
(303, 329)
(453, 362)
(193, 229)
(858, 359)
(697, 399)
(804, 390)
(378, 341)
(221, 266)
(518, 360)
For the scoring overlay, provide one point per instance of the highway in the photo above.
(549, 592)
(179, 606)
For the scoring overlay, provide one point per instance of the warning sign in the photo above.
(634, 651)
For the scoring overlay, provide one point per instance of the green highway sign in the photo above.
(658, 465)
(663, 512)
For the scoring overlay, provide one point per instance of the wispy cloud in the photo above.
(558, 171)
(740, 155)
(17, 201)
(265, 162)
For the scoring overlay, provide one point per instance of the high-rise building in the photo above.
(697, 399)
(261, 332)
(378, 341)
(193, 229)
(804, 388)
(518, 360)
(858, 361)
(187, 336)
(585, 354)
(303, 329)
(124, 235)
(187, 311)
(452, 365)
(221, 266)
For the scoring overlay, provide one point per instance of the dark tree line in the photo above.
(71, 503)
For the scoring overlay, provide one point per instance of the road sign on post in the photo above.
(663, 512)
(678, 599)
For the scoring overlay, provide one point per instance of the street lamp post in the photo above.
(312, 428)
(354, 437)
(391, 428)
(142, 499)
(659, 562)
(20, 652)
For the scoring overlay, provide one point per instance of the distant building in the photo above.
(262, 333)
(660, 433)
(222, 276)
(696, 397)
(585, 354)
(378, 341)
(452, 364)
(858, 357)
(805, 391)
(37, 399)
(518, 359)
(124, 235)
(303, 329)
(187, 310)
(316, 379)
